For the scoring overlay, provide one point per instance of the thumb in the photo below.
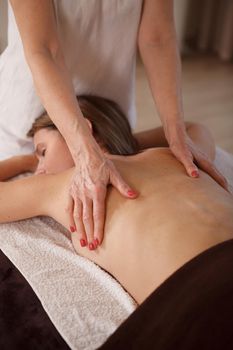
(125, 190)
(191, 168)
(187, 160)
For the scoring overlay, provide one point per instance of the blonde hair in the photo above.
(110, 126)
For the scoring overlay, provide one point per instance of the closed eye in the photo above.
(40, 150)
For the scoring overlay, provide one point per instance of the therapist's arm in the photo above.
(37, 25)
(93, 171)
(160, 54)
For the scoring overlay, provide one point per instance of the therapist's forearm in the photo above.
(163, 68)
(54, 86)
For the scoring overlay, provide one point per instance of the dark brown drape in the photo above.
(209, 27)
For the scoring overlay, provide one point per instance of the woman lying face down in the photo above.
(145, 240)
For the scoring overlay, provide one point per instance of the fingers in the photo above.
(87, 216)
(88, 223)
(208, 166)
(186, 158)
(88, 193)
(74, 210)
(188, 152)
(204, 163)
(117, 181)
(77, 216)
(99, 213)
(190, 167)
(69, 210)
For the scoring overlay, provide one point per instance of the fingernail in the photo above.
(96, 242)
(72, 229)
(195, 173)
(83, 242)
(91, 246)
(131, 193)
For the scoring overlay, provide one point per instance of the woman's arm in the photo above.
(17, 165)
(35, 196)
(23, 198)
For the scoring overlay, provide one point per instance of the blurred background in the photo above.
(205, 38)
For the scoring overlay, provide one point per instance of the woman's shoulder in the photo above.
(153, 153)
(145, 163)
(147, 156)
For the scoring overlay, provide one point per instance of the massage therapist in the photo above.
(156, 39)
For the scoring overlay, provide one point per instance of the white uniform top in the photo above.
(99, 40)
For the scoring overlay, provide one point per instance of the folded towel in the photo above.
(83, 301)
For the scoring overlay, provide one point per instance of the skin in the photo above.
(158, 47)
(47, 144)
(174, 219)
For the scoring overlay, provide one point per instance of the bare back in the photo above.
(174, 219)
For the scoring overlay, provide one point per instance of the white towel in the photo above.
(84, 302)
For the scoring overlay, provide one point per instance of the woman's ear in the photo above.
(89, 123)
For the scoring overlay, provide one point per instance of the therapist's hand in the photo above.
(186, 151)
(93, 172)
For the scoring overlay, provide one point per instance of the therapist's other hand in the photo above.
(88, 188)
(186, 151)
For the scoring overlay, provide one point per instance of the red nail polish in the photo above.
(131, 193)
(91, 246)
(72, 229)
(83, 242)
(195, 173)
(96, 242)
